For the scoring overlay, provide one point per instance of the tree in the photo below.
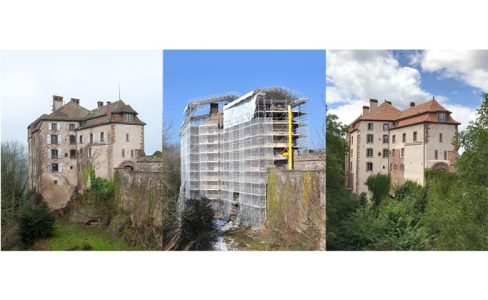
(473, 163)
(36, 222)
(379, 186)
(197, 224)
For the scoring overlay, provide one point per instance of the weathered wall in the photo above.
(139, 195)
(296, 206)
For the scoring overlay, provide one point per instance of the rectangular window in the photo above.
(402, 152)
(54, 126)
(393, 152)
(123, 153)
(385, 153)
(385, 127)
(370, 126)
(89, 152)
(126, 137)
(385, 138)
(393, 139)
(132, 153)
(72, 139)
(81, 139)
(91, 137)
(54, 168)
(404, 138)
(436, 154)
(445, 155)
(71, 127)
(54, 153)
(369, 152)
(102, 137)
(128, 118)
(369, 166)
(415, 136)
(72, 154)
(54, 139)
(440, 137)
(369, 138)
(442, 117)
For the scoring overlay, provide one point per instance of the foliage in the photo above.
(102, 191)
(157, 153)
(35, 222)
(197, 224)
(379, 186)
(473, 164)
(14, 163)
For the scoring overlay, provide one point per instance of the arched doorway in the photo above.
(441, 166)
(127, 165)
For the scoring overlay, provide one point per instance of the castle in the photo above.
(63, 143)
(402, 143)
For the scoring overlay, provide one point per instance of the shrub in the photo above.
(35, 222)
(379, 186)
(197, 224)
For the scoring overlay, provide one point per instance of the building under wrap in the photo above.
(229, 142)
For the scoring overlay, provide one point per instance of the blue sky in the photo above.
(29, 79)
(455, 77)
(190, 74)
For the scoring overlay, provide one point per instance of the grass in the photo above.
(80, 237)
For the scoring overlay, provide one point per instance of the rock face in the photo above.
(85, 216)
(117, 225)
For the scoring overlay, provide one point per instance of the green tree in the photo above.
(197, 224)
(379, 186)
(36, 221)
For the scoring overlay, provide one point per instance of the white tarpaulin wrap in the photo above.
(239, 111)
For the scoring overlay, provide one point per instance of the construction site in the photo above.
(229, 142)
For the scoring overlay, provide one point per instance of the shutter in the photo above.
(49, 168)
(58, 126)
(60, 168)
(48, 153)
(59, 139)
(48, 140)
(49, 124)
(60, 154)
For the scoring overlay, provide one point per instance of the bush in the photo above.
(379, 186)
(35, 222)
(197, 224)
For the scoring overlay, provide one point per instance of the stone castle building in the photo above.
(63, 143)
(403, 144)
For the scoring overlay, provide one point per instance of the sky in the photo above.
(29, 79)
(456, 78)
(192, 74)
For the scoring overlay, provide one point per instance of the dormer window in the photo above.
(442, 117)
(128, 118)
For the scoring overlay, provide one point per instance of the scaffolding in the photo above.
(226, 153)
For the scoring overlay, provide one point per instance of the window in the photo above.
(369, 166)
(445, 155)
(126, 137)
(402, 152)
(442, 117)
(54, 139)
(393, 152)
(123, 153)
(132, 153)
(89, 152)
(54, 167)
(352, 139)
(440, 137)
(404, 138)
(102, 137)
(128, 118)
(72, 139)
(385, 138)
(91, 137)
(71, 127)
(385, 153)
(370, 126)
(81, 139)
(369, 138)
(54, 153)
(393, 139)
(54, 126)
(72, 154)
(369, 152)
(415, 136)
(436, 154)
(385, 127)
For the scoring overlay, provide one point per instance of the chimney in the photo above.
(100, 103)
(373, 104)
(57, 102)
(365, 110)
(77, 101)
(412, 104)
(214, 108)
(389, 102)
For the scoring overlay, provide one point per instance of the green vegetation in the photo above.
(197, 224)
(35, 222)
(81, 237)
(450, 212)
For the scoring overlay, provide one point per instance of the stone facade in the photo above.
(403, 144)
(62, 144)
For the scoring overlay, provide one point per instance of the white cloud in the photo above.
(353, 77)
(30, 78)
(469, 66)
